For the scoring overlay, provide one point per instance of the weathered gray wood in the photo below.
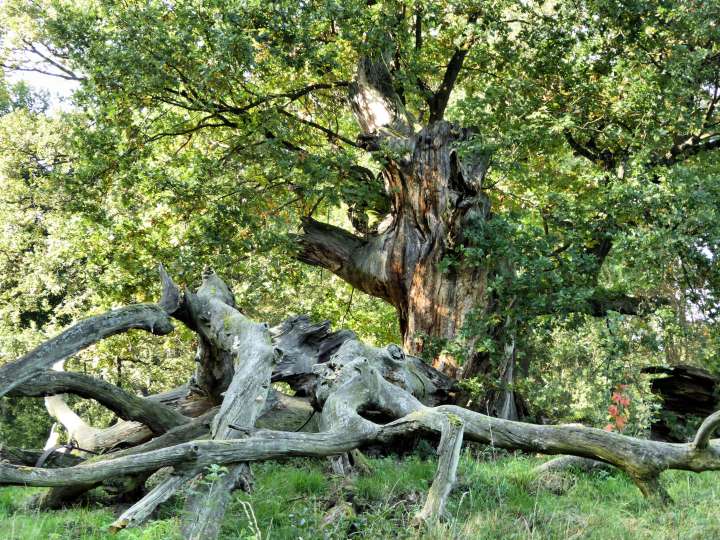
(449, 456)
(427, 385)
(706, 430)
(302, 344)
(138, 513)
(158, 417)
(355, 386)
(231, 339)
(149, 317)
(625, 452)
(27, 457)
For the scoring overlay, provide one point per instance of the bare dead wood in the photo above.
(149, 317)
(706, 430)
(630, 454)
(234, 343)
(365, 395)
(143, 509)
(158, 417)
(153, 318)
(30, 457)
(449, 456)
(564, 463)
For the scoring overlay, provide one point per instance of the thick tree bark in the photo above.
(415, 259)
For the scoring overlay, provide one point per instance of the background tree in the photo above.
(498, 163)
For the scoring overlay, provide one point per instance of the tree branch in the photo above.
(706, 430)
(375, 103)
(603, 301)
(359, 262)
(687, 149)
(329, 132)
(149, 317)
(439, 100)
(158, 417)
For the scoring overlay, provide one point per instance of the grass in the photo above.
(494, 499)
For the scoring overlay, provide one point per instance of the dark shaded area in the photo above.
(689, 394)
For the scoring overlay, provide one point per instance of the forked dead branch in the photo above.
(229, 415)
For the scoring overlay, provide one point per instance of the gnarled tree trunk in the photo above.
(414, 259)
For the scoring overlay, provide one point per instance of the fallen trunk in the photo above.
(360, 396)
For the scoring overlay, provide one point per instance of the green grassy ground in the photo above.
(494, 499)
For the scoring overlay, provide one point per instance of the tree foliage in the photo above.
(203, 132)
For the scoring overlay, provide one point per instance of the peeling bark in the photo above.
(436, 197)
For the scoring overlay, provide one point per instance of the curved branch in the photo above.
(358, 261)
(705, 431)
(158, 417)
(691, 147)
(150, 317)
(246, 347)
(22, 456)
(625, 452)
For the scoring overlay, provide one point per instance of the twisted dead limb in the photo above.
(246, 346)
(620, 450)
(150, 317)
(158, 417)
(143, 509)
(364, 396)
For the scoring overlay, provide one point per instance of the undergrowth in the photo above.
(496, 497)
